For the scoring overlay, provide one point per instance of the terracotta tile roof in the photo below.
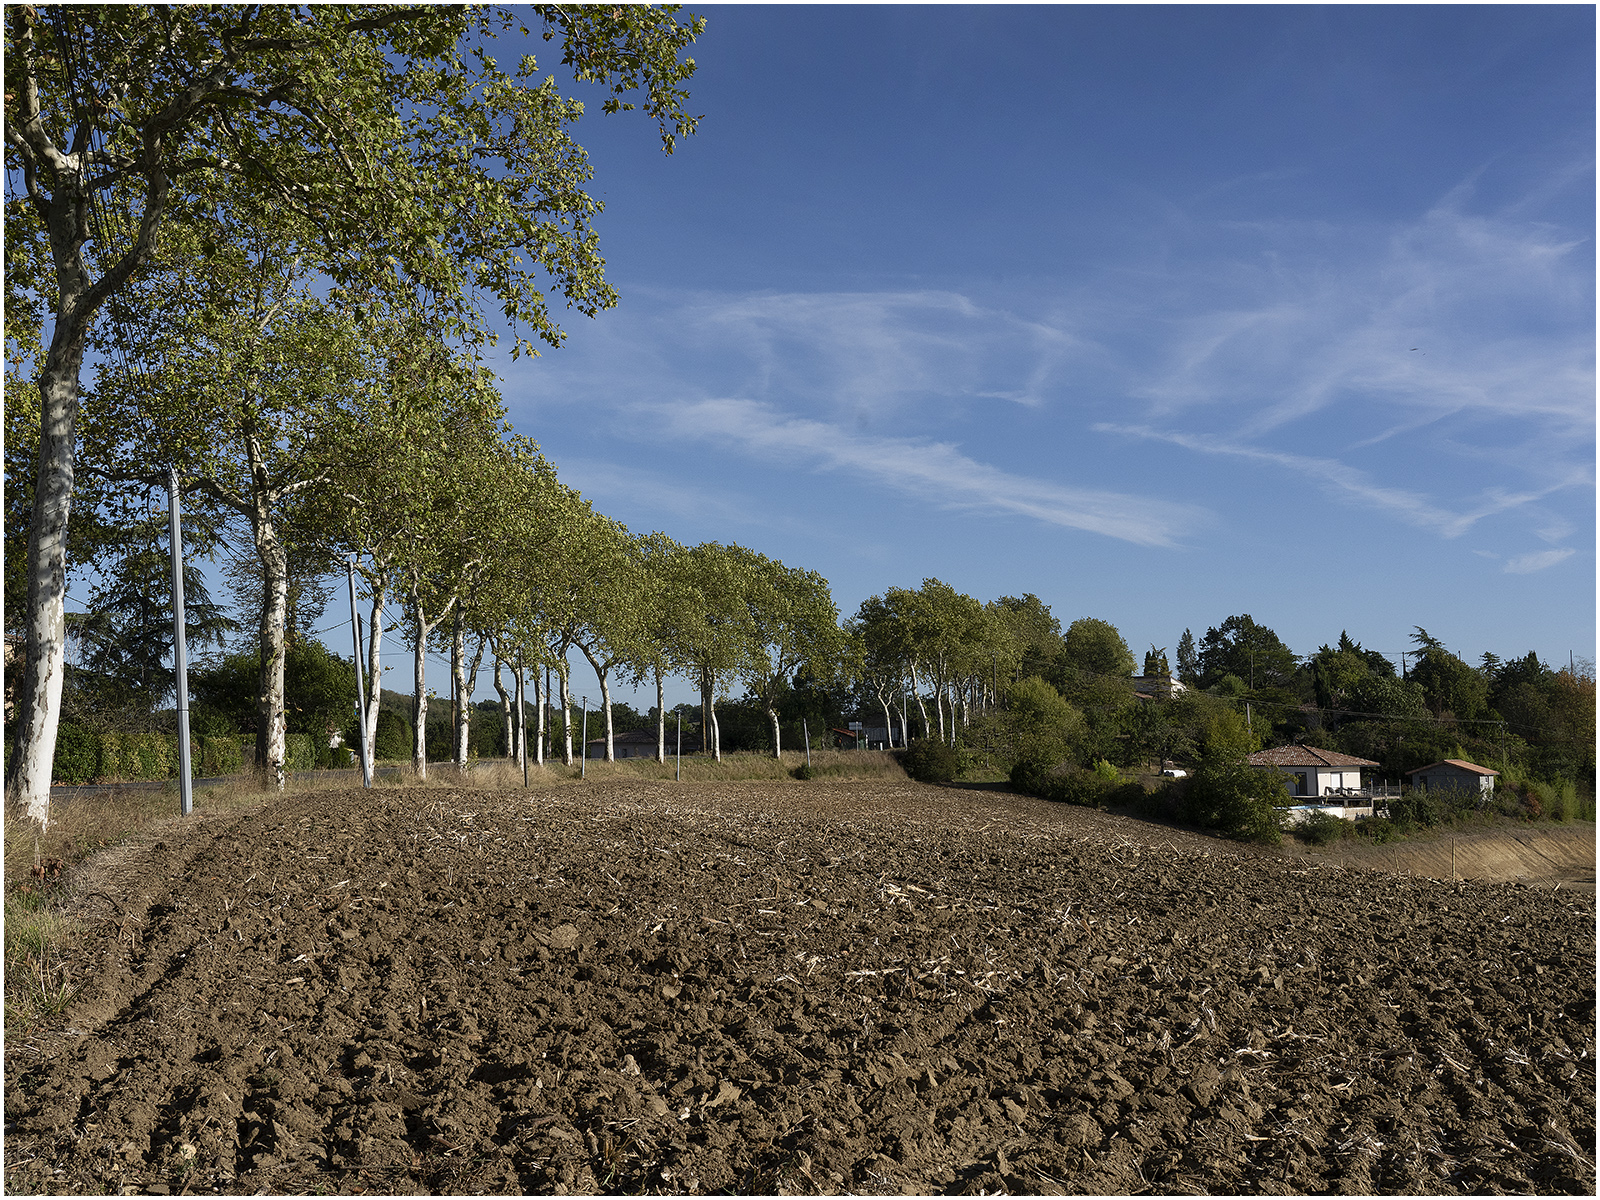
(1459, 764)
(1306, 756)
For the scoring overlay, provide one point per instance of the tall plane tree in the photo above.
(384, 140)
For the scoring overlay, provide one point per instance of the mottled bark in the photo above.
(661, 717)
(772, 716)
(508, 737)
(378, 582)
(272, 730)
(566, 717)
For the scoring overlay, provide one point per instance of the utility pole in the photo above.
(180, 664)
(583, 763)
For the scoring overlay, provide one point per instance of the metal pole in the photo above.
(361, 674)
(583, 763)
(180, 662)
(680, 748)
(805, 729)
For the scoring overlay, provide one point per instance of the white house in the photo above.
(1314, 772)
(1456, 775)
(1324, 781)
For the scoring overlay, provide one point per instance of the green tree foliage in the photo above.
(1448, 684)
(386, 146)
(1095, 647)
(1389, 697)
(1155, 662)
(787, 624)
(320, 689)
(1243, 648)
(1039, 725)
(1188, 661)
(1034, 634)
(125, 639)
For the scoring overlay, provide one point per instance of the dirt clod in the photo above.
(787, 987)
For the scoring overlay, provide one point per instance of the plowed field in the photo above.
(798, 987)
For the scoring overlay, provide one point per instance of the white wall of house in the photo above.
(1319, 781)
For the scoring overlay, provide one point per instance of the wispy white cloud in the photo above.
(1527, 564)
(936, 472)
(1455, 315)
(870, 357)
(1351, 483)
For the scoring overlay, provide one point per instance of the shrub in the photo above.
(1129, 795)
(77, 754)
(1237, 801)
(298, 752)
(1379, 829)
(1064, 786)
(1321, 829)
(392, 738)
(929, 761)
(803, 771)
(220, 756)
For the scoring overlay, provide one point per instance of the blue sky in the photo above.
(1161, 313)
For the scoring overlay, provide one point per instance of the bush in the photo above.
(1070, 786)
(220, 756)
(803, 771)
(1237, 801)
(1379, 829)
(392, 738)
(298, 752)
(138, 756)
(77, 754)
(929, 761)
(1321, 829)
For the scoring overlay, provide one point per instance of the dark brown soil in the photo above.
(799, 987)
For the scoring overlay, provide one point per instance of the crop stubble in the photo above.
(800, 987)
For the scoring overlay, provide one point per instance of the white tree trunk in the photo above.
(463, 713)
(508, 738)
(888, 721)
(602, 672)
(916, 692)
(566, 716)
(64, 204)
(716, 734)
(378, 581)
(39, 702)
(419, 692)
(542, 695)
(777, 745)
(272, 736)
(661, 718)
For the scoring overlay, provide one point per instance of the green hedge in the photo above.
(84, 755)
(77, 754)
(300, 752)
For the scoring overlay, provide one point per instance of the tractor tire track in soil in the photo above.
(813, 987)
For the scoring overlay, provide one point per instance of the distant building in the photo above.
(1314, 772)
(1454, 775)
(1157, 687)
(641, 743)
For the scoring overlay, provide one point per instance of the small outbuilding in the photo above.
(641, 743)
(1454, 775)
